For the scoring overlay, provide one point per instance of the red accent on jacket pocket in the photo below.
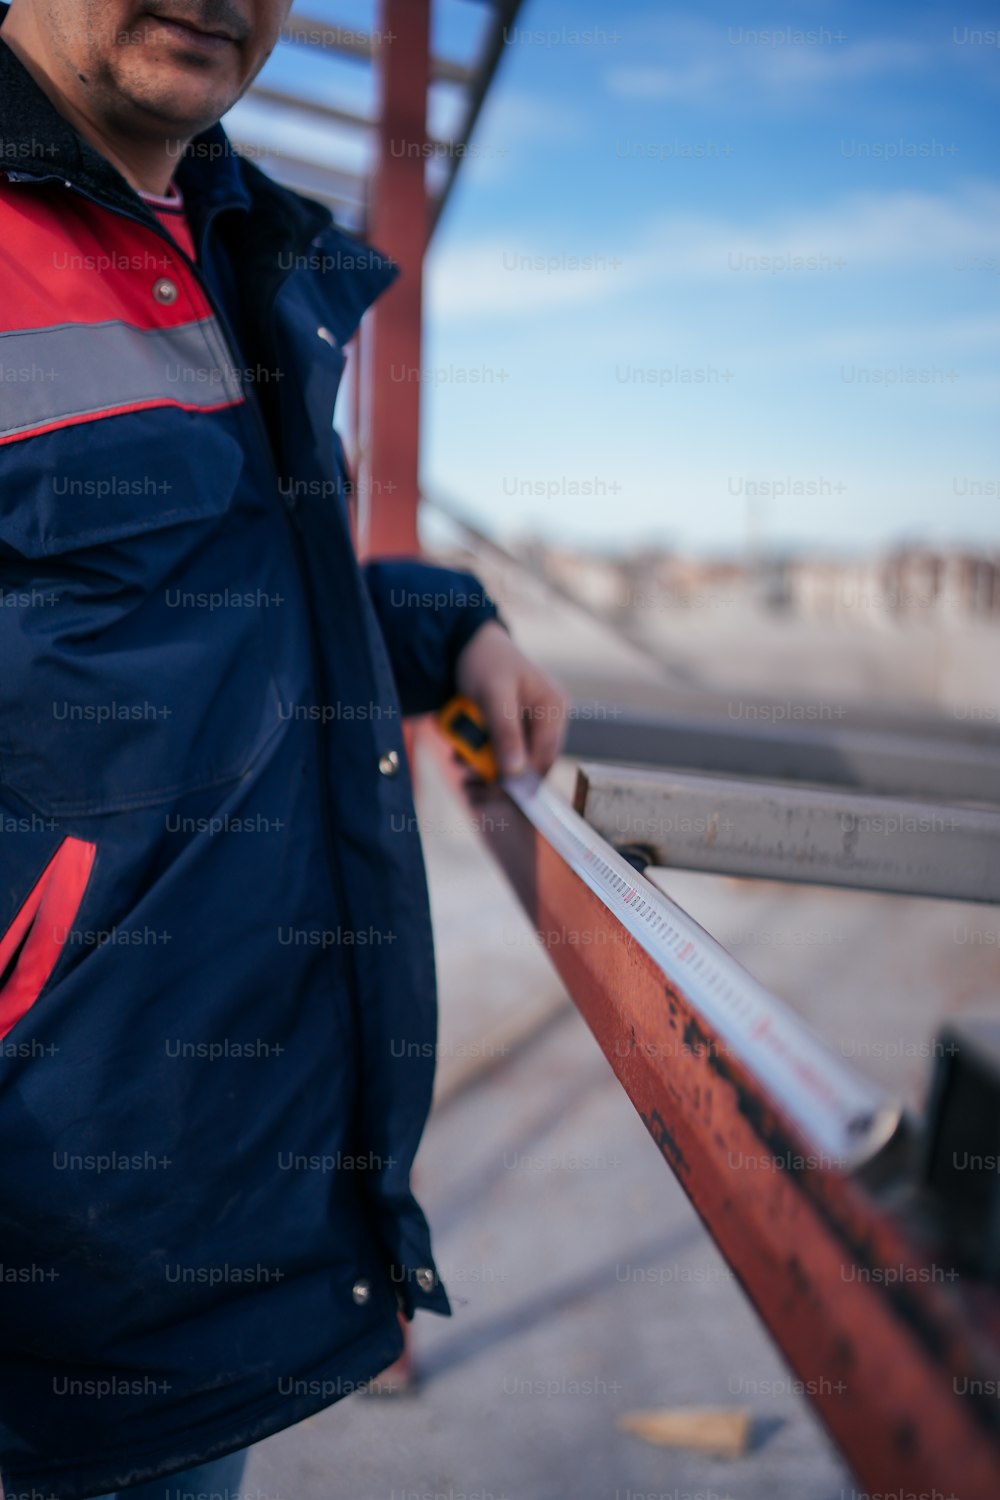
(39, 932)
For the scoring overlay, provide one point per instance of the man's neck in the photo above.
(147, 166)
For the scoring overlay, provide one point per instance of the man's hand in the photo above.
(525, 710)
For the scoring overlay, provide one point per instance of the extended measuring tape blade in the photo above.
(841, 1114)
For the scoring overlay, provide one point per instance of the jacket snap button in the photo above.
(165, 291)
(388, 763)
(426, 1280)
(361, 1291)
(327, 337)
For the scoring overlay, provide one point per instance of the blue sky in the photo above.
(703, 255)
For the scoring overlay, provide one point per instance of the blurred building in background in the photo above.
(907, 585)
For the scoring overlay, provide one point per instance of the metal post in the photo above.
(398, 225)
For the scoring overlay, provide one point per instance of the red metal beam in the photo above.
(898, 1358)
(399, 225)
(391, 342)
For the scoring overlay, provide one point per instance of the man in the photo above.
(216, 973)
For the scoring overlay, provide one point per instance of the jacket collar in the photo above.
(36, 141)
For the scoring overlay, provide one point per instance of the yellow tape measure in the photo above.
(839, 1111)
(464, 726)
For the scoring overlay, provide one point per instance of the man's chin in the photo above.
(180, 110)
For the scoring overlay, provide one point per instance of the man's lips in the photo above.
(185, 31)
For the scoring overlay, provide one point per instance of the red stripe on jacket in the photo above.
(64, 259)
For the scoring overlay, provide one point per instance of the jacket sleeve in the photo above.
(427, 615)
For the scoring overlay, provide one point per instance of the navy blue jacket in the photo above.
(217, 990)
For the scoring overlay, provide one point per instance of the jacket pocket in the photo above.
(143, 585)
(33, 944)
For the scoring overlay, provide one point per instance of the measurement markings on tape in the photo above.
(841, 1114)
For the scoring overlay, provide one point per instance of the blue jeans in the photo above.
(218, 1480)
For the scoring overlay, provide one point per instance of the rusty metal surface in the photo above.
(897, 1354)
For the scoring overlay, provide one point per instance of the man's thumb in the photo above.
(507, 734)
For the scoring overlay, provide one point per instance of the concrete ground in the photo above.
(583, 1285)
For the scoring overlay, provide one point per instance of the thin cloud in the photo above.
(513, 116)
(864, 230)
(711, 64)
(499, 279)
(906, 340)
(664, 83)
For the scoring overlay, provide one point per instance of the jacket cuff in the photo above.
(427, 614)
(465, 629)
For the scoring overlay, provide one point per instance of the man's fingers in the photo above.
(503, 720)
(545, 741)
(547, 729)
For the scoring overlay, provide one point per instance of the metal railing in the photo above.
(834, 1220)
